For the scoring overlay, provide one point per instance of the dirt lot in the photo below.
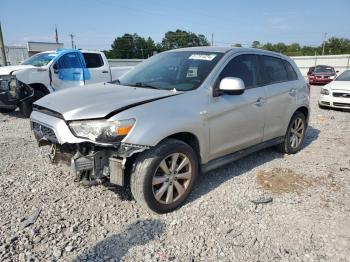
(305, 215)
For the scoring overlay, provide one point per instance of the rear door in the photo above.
(67, 71)
(281, 92)
(98, 68)
(237, 121)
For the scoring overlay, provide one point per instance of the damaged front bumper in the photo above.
(105, 163)
(12, 95)
(88, 160)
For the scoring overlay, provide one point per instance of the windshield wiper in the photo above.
(140, 84)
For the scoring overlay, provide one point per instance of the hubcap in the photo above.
(296, 133)
(172, 178)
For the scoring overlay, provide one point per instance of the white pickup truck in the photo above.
(52, 71)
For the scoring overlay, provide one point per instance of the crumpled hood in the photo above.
(98, 100)
(6, 70)
(340, 85)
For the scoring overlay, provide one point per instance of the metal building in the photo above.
(37, 47)
(15, 54)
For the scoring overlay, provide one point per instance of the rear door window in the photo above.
(244, 67)
(274, 70)
(93, 60)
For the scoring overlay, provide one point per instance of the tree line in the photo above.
(131, 46)
(135, 46)
(333, 46)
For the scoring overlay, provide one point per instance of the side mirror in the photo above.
(55, 68)
(232, 86)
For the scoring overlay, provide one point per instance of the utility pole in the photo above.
(56, 34)
(212, 39)
(2, 47)
(324, 43)
(72, 38)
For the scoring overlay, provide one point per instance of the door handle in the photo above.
(76, 73)
(260, 101)
(104, 72)
(292, 92)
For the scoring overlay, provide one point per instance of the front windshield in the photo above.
(40, 59)
(323, 69)
(345, 76)
(182, 70)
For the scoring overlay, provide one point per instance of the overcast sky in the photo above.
(96, 23)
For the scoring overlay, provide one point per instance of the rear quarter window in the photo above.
(93, 60)
(292, 75)
(274, 70)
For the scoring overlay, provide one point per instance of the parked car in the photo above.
(321, 74)
(51, 71)
(174, 115)
(310, 71)
(337, 93)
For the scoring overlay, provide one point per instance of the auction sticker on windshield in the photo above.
(202, 57)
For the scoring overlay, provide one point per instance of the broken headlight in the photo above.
(102, 130)
(13, 88)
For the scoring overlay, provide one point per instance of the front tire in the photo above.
(26, 108)
(163, 177)
(295, 134)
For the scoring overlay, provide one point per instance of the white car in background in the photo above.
(337, 93)
(51, 71)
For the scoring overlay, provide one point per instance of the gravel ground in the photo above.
(44, 215)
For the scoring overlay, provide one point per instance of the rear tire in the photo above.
(295, 135)
(163, 177)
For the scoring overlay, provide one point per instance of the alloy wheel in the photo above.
(297, 132)
(172, 178)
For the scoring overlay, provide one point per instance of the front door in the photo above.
(68, 71)
(237, 121)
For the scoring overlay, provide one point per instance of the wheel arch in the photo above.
(40, 87)
(186, 137)
(305, 111)
(190, 139)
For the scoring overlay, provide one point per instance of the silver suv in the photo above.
(177, 114)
